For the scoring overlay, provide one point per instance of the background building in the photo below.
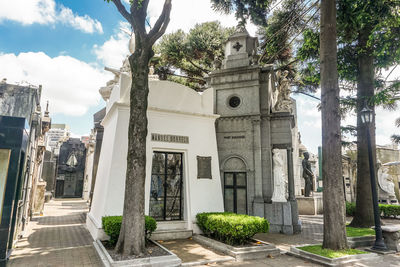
(22, 144)
(70, 169)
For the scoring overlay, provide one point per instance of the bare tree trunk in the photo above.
(131, 239)
(364, 214)
(333, 196)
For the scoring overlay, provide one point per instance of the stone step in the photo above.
(171, 234)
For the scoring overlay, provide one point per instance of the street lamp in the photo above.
(366, 118)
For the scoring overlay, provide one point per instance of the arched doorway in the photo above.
(235, 185)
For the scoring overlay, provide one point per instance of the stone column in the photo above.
(258, 208)
(292, 198)
(290, 174)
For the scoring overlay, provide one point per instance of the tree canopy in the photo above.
(188, 57)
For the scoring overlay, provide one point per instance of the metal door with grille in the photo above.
(235, 192)
(166, 186)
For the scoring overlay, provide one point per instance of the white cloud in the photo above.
(112, 52)
(85, 23)
(70, 85)
(45, 12)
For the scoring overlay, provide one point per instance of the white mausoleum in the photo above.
(182, 168)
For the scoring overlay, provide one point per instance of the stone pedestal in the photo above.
(310, 205)
(391, 235)
(258, 207)
(281, 218)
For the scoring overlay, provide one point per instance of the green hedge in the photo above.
(350, 208)
(112, 227)
(386, 210)
(389, 210)
(231, 228)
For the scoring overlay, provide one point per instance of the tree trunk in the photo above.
(132, 234)
(333, 197)
(364, 214)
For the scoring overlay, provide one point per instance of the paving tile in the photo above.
(58, 238)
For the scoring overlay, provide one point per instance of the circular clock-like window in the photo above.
(234, 101)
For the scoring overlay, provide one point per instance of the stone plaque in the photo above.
(169, 138)
(203, 167)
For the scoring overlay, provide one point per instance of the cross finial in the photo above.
(237, 46)
(46, 113)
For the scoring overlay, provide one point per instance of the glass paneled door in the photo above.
(166, 186)
(235, 192)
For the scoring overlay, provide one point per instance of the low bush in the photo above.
(350, 208)
(112, 227)
(386, 210)
(389, 210)
(231, 228)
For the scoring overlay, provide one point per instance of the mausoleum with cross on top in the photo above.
(229, 148)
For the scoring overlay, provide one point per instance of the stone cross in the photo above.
(237, 46)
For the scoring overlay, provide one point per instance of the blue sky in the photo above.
(65, 44)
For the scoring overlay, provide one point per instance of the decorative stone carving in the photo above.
(385, 182)
(280, 99)
(280, 181)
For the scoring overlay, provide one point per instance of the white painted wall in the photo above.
(173, 109)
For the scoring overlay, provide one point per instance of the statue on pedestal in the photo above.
(307, 175)
(279, 194)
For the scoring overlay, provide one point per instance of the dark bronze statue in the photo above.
(307, 175)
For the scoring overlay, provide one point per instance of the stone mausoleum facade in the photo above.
(229, 148)
(256, 136)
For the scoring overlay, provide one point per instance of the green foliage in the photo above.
(380, 19)
(193, 53)
(356, 232)
(231, 228)
(255, 10)
(350, 208)
(112, 227)
(396, 137)
(329, 253)
(386, 210)
(389, 210)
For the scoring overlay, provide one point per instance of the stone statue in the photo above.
(307, 175)
(279, 194)
(281, 96)
(105, 91)
(384, 181)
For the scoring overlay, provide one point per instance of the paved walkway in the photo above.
(58, 238)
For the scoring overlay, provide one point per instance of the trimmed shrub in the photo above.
(112, 227)
(231, 228)
(350, 208)
(389, 210)
(386, 210)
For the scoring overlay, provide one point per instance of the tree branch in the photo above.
(121, 8)
(198, 67)
(138, 19)
(161, 24)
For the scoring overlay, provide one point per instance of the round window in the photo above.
(234, 101)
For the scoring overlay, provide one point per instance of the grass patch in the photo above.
(356, 232)
(329, 253)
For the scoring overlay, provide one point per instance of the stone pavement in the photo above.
(58, 238)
